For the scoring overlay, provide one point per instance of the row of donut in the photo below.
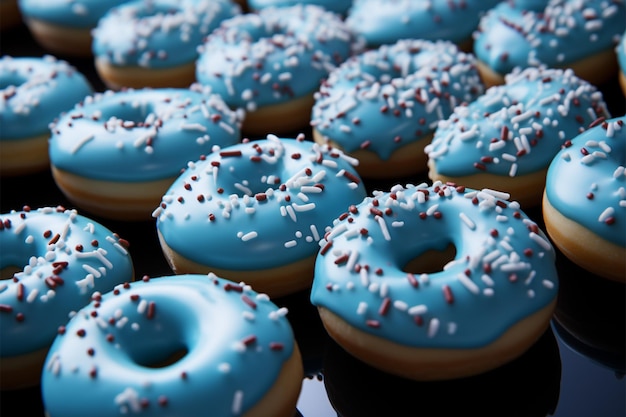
(273, 215)
(272, 56)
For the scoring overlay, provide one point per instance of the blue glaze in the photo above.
(139, 135)
(337, 6)
(563, 32)
(79, 14)
(159, 33)
(502, 272)
(386, 98)
(260, 209)
(204, 315)
(539, 108)
(34, 92)
(58, 273)
(593, 166)
(274, 56)
(385, 22)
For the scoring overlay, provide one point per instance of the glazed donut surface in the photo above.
(57, 259)
(118, 152)
(557, 33)
(255, 208)
(506, 139)
(35, 92)
(377, 297)
(383, 105)
(179, 345)
(584, 205)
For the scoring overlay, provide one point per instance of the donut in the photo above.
(385, 22)
(336, 6)
(154, 43)
(382, 106)
(175, 345)
(118, 152)
(506, 139)
(54, 260)
(33, 92)
(270, 63)
(584, 202)
(62, 26)
(558, 33)
(257, 210)
(620, 50)
(435, 282)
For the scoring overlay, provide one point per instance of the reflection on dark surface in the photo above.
(528, 387)
(590, 316)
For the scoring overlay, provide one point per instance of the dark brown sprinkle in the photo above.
(19, 317)
(94, 243)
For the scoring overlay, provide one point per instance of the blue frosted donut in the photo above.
(557, 33)
(383, 105)
(33, 93)
(175, 345)
(59, 261)
(506, 139)
(63, 26)
(584, 204)
(489, 300)
(388, 21)
(255, 211)
(154, 43)
(118, 152)
(270, 63)
(337, 6)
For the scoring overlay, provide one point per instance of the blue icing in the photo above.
(255, 205)
(384, 22)
(274, 56)
(503, 269)
(539, 109)
(223, 370)
(394, 95)
(34, 92)
(563, 32)
(337, 6)
(80, 14)
(57, 274)
(158, 34)
(586, 181)
(138, 135)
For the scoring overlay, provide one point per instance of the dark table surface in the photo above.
(575, 369)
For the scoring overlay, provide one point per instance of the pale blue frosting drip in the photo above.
(34, 92)
(274, 56)
(538, 108)
(386, 98)
(256, 205)
(139, 135)
(563, 32)
(224, 371)
(586, 182)
(337, 6)
(59, 272)
(159, 33)
(502, 272)
(80, 14)
(387, 21)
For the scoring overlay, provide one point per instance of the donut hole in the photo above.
(431, 261)
(157, 343)
(135, 112)
(12, 79)
(7, 272)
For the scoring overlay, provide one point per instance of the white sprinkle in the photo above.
(468, 283)
(468, 222)
(237, 402)
(81, 143)
(540, 241)
(249, 236)
(433, 327)
(608, 212)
